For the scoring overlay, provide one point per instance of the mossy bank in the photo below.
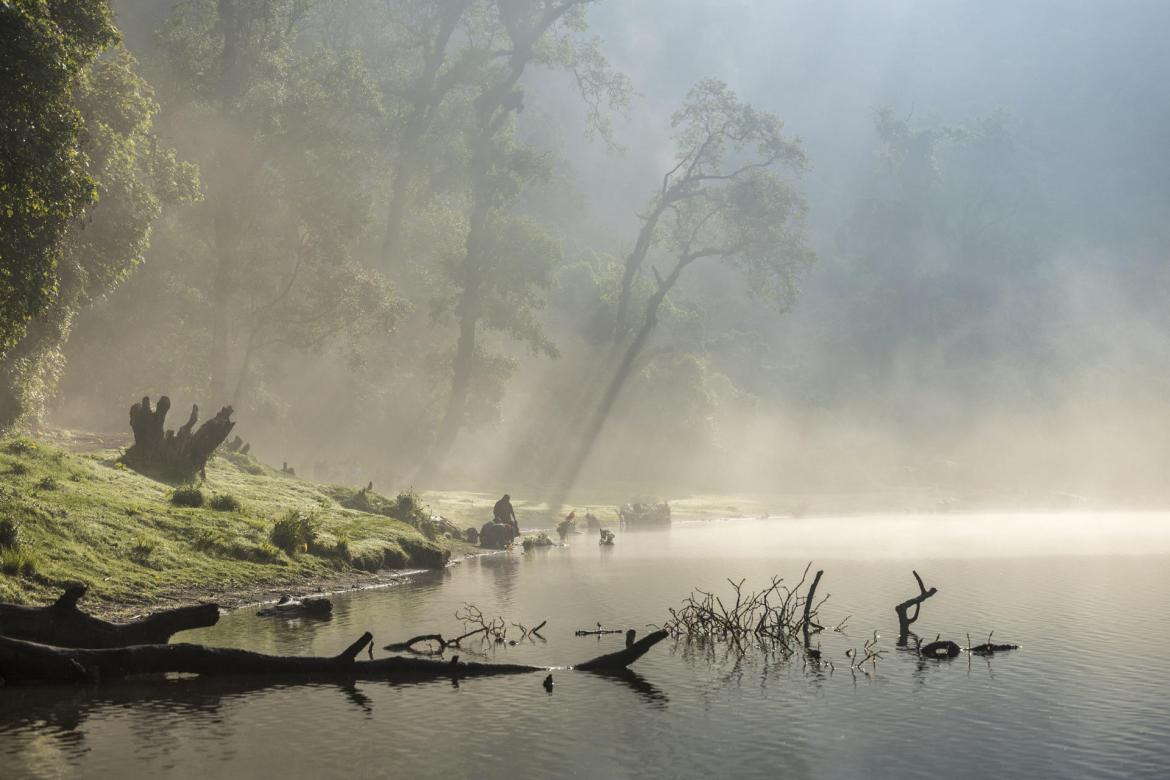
(68, 517)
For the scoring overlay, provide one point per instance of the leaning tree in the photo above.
(727, 199)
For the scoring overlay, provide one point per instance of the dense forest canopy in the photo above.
(566, 242)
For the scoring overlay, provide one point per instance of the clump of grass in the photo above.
(18, 469)
(338, 549)
(294, 532)
(48, 483)
(218, 543)
(21, 446)
(15, 561)
(9, 534)
(224, 502)
(187, 496)
(142, 549)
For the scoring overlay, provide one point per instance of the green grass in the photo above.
(86, 517)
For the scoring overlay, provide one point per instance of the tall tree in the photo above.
(44, 46)
(284, 131)
(537, 32)
(726, 199)
(134, 177)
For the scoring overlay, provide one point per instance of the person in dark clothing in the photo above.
(504, 513)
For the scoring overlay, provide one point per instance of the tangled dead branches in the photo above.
(476, 624)
(778, 617)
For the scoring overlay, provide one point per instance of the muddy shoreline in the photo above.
(230, 598)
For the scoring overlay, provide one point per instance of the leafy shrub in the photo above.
(47, 483)
(14, 562)
(294, 532)
(9, 534)
(187, 496)
(224, 502)
(18, 469)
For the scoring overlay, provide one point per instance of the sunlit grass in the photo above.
(86, 517)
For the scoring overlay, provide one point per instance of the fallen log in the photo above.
(23, 662)
(62, 624)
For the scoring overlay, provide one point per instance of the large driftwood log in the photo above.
(64, 625)
(22, 661)
(183, 453)
(905, 619)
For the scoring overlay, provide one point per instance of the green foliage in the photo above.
(187, 495)
(15, 561)
(43, 178)
(48, 482)
(294, 533)
(224, 502)
(133, 177)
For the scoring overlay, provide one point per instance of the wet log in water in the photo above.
(62, 624)
(904, 618)
(22, 661)
(623, 658)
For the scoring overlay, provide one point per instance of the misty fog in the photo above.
(986, 189)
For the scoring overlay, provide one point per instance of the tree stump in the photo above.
(181, 454)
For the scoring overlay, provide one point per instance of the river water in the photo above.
(1084, 696)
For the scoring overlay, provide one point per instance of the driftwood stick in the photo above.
(62, 624)
(904, 618)
(599, 631)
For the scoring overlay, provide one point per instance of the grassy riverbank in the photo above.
(67, 517)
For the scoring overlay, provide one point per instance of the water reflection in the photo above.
(697, 709)
(646, 690)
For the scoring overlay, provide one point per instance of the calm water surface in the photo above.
(1084, 697)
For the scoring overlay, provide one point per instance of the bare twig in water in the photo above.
(528, 633)
(869, 654)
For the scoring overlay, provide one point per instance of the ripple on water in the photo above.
(1082, 698)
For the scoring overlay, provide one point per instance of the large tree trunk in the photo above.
(597, 419)
(62, 624)
(22, 662)
(182, 454)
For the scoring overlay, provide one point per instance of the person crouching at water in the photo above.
(504, 513)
